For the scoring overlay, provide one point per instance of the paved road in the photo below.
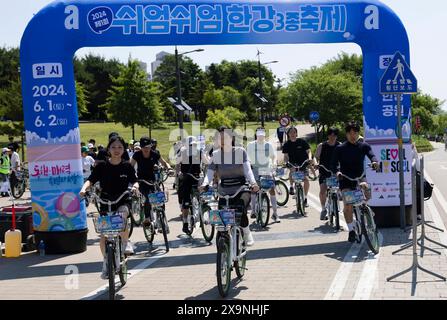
(300, 258)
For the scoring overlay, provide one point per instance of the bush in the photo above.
(229, 117)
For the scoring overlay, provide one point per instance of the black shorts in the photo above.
(186, 185)
(323, 177)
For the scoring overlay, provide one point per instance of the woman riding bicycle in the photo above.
(114, 176)
(233, 169)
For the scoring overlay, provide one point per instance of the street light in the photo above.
(260, 85)
(179, 88)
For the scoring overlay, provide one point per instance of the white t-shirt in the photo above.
(15, 161)
(87, 163)
(260, 154)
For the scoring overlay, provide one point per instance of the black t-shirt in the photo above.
(145, 169)
(350, 158)
(113, 179)
(327, 153)
(92, 154)
(297, 151)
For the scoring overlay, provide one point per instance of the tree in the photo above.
(82, 100)
(427, 108)
(96, 74)
(133, 100)
(9, 66)
(337, 97)
(11, 109)
(229, 117)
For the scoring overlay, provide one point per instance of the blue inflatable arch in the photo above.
(55, 33)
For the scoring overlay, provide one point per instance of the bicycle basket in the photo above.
(298, 176)
(280, 172)
(207, 196)
(353, 197)
(223, 217)
(109, 223)
(157, 199)
(267, 183)
(332, 182)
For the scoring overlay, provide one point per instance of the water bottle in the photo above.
(42, 248)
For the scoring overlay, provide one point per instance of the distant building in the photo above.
(143, 66)
(159, 59)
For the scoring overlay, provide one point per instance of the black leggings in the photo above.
(240, 203)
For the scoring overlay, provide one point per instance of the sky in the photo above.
(424, 21)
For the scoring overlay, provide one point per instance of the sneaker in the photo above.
(276, 218)
(292, 191)
(248, 237)
(323, 215)
(305, 204)
(185, 228)
(129, 249)
(352, 236)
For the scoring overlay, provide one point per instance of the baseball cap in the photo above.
(145, 141)
(84, 149)
(137, 145)
(6, 150)
(90, 146)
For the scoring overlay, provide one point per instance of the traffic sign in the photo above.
(314, 116)
(398, 78)
(284, 121)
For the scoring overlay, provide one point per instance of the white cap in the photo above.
(6, 150)
(90, 145)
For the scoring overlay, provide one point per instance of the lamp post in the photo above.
(260, 85)
(179, 87)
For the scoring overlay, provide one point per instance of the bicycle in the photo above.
(281, 190)
(262, 207)
(165, 174)
(332, 207)
(298, 178)
(22, 182)
(200, 211)
(364, 216)
(158, 219)
(231, 249)
(111, 226)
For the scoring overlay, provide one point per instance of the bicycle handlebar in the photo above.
(326, 169)
(354, 179)
(298, 167)
(235, 194)
(152, 184)
(108, 202)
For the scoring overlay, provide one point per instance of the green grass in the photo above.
(422, 144)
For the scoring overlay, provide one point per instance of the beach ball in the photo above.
(68, 205)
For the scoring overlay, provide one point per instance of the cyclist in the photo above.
(233, 169)
(87, 162)
(349, 159)
(130, 150)
(324, 154)
(15, 164)
(114, 176)
(189, 161)
(262, 157)
(147, 163)
(4, 171)
(297, 151)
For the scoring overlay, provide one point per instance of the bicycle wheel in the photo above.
(164, 227)
(264, 216)
(223, 266)
(205, 225)
(282, 193)
(285, 176)
(149, 232)
(300, 200)
(123, 268)
(137, 210)
(193, 212)
(18, 189)
(369, 229)
(111, 270)
(240, 264)
(336, 211)
(130, 224)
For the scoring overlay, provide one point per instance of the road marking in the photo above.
(131, 273)
(369, 275)
(317, 207)
(443, 167)
(341, 277)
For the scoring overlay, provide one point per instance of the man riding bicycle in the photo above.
(188, 163)
(147, 161)
(297, 151)
(349, 159)
(262, 157)
(324, 154)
